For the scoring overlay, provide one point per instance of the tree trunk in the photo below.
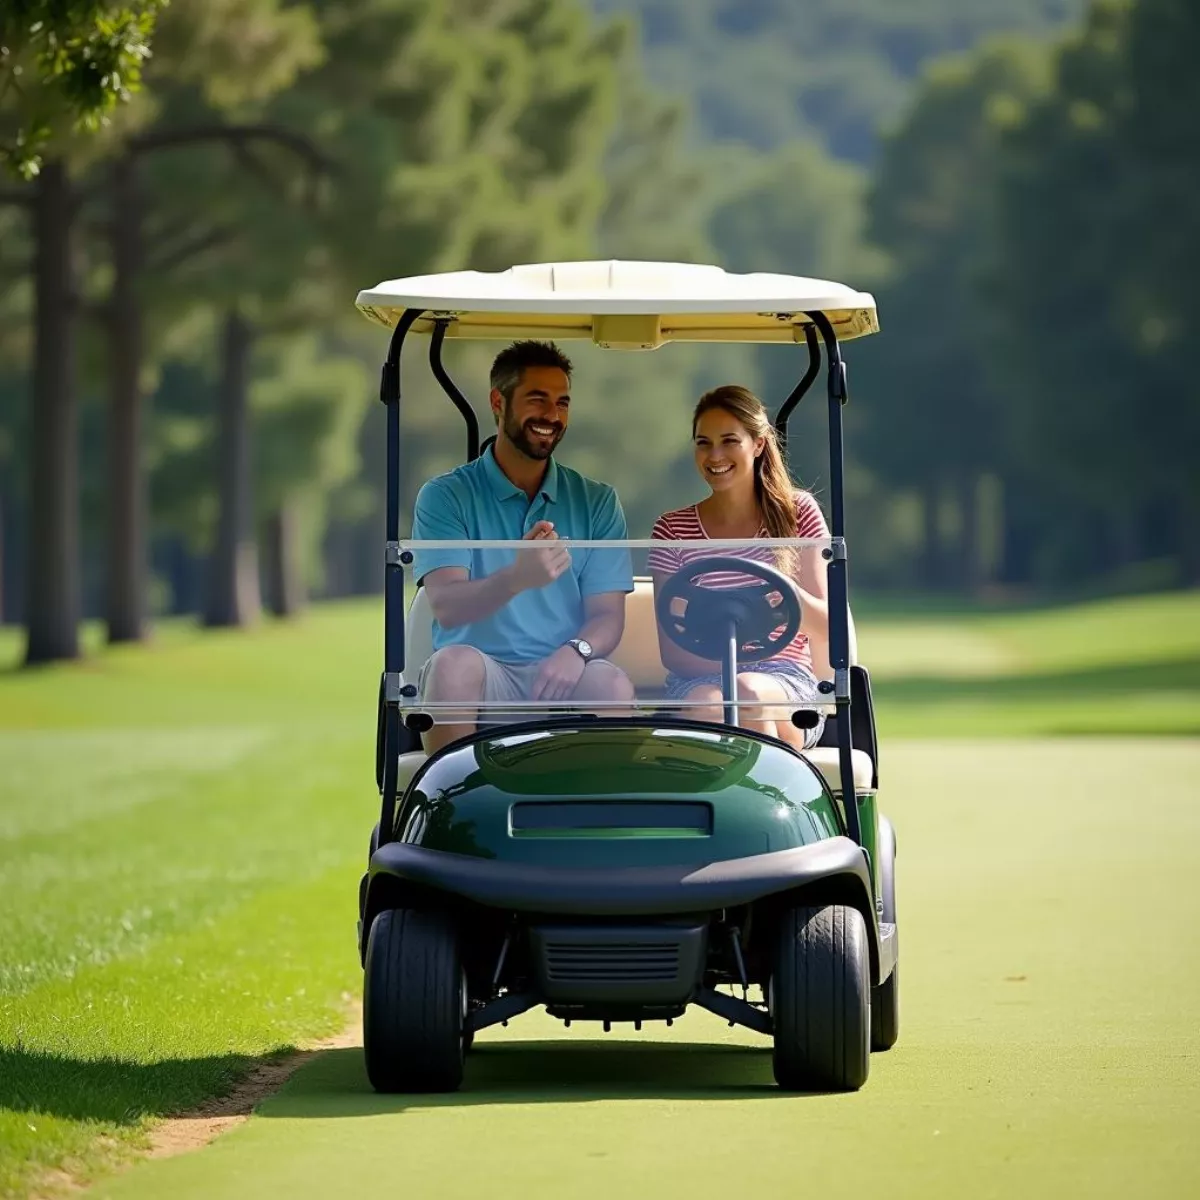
(336, 550)
(53, 604)
(970, 549)
(286, 593)
(931, 547)
(234, 594)
(125, 602)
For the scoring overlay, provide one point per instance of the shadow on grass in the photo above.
(334, 1083)
(1101, 682)
(541, 1072)
(114, 1091)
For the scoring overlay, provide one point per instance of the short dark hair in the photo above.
(510, 364)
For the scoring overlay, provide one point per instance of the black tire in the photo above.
(885, 999)
(820, 1000)
(414, 1001)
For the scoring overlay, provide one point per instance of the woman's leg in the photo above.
(758, 690)
(708, 695)
(753, 690)
(797, 690)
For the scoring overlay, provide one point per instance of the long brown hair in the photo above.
(773, 486)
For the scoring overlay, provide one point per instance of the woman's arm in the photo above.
(812, 580)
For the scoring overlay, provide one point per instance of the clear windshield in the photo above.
(506, 631)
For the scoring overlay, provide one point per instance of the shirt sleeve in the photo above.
(607, 570)
(665, 560)
(438, 517)
(810, 520)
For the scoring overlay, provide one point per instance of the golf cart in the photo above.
(622, 863)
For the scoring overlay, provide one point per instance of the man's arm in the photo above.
(456, 599)
(603, 622)
(603, 625)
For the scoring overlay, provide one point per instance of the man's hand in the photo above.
(534, 569)
(560, 675)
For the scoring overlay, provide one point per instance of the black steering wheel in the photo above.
(709, 622)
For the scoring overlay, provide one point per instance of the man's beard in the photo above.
(528, 443)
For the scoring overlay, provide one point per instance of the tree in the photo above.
(480, 143)
(56, 199)
(1162, 240)
(930, 418)
(217, 63)
(64, 65)
(767, 73)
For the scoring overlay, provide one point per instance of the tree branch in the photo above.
(253, 165)
(189, 248)
(172, 139)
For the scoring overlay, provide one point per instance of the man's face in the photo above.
(535, 419)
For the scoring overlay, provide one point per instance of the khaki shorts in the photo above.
(503, 683)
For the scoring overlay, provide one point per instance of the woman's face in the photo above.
(725, 451)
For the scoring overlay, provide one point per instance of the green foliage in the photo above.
(66, 64)
(1032, 205)
(769, 72)
(1093, 207)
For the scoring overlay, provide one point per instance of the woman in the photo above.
(752, 496)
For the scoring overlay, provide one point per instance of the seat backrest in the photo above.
(637, 655)
(418, 636)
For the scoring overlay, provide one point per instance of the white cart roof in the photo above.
(622, 305)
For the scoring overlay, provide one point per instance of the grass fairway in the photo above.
(1111, 667)
(182, 828)
(1049, 1042)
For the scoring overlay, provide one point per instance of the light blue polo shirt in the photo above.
(478, 501)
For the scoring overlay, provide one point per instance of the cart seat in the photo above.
(637, 656)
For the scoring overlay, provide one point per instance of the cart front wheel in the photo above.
(414, 1003)
(820, 1000)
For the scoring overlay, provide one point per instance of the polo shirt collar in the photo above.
(505, 489)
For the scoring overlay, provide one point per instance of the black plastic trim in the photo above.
(800, 390)
(503, 1008)
(629, 891)
(735, 1011)
(452, 389)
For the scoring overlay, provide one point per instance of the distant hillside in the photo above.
(768, 71)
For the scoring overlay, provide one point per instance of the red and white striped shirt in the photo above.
(684, 525)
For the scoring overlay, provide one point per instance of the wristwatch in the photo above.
(584, 648)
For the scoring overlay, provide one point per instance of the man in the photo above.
(528, 624)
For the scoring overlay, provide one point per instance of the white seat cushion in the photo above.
(824, 758)
(638, 655)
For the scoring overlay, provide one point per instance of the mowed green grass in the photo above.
(1108, 667)
(1048, 916)
(182, 827)
(180, 831)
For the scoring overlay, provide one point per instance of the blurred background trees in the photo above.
(186, 422)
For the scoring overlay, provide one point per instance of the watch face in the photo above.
(585, 648)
